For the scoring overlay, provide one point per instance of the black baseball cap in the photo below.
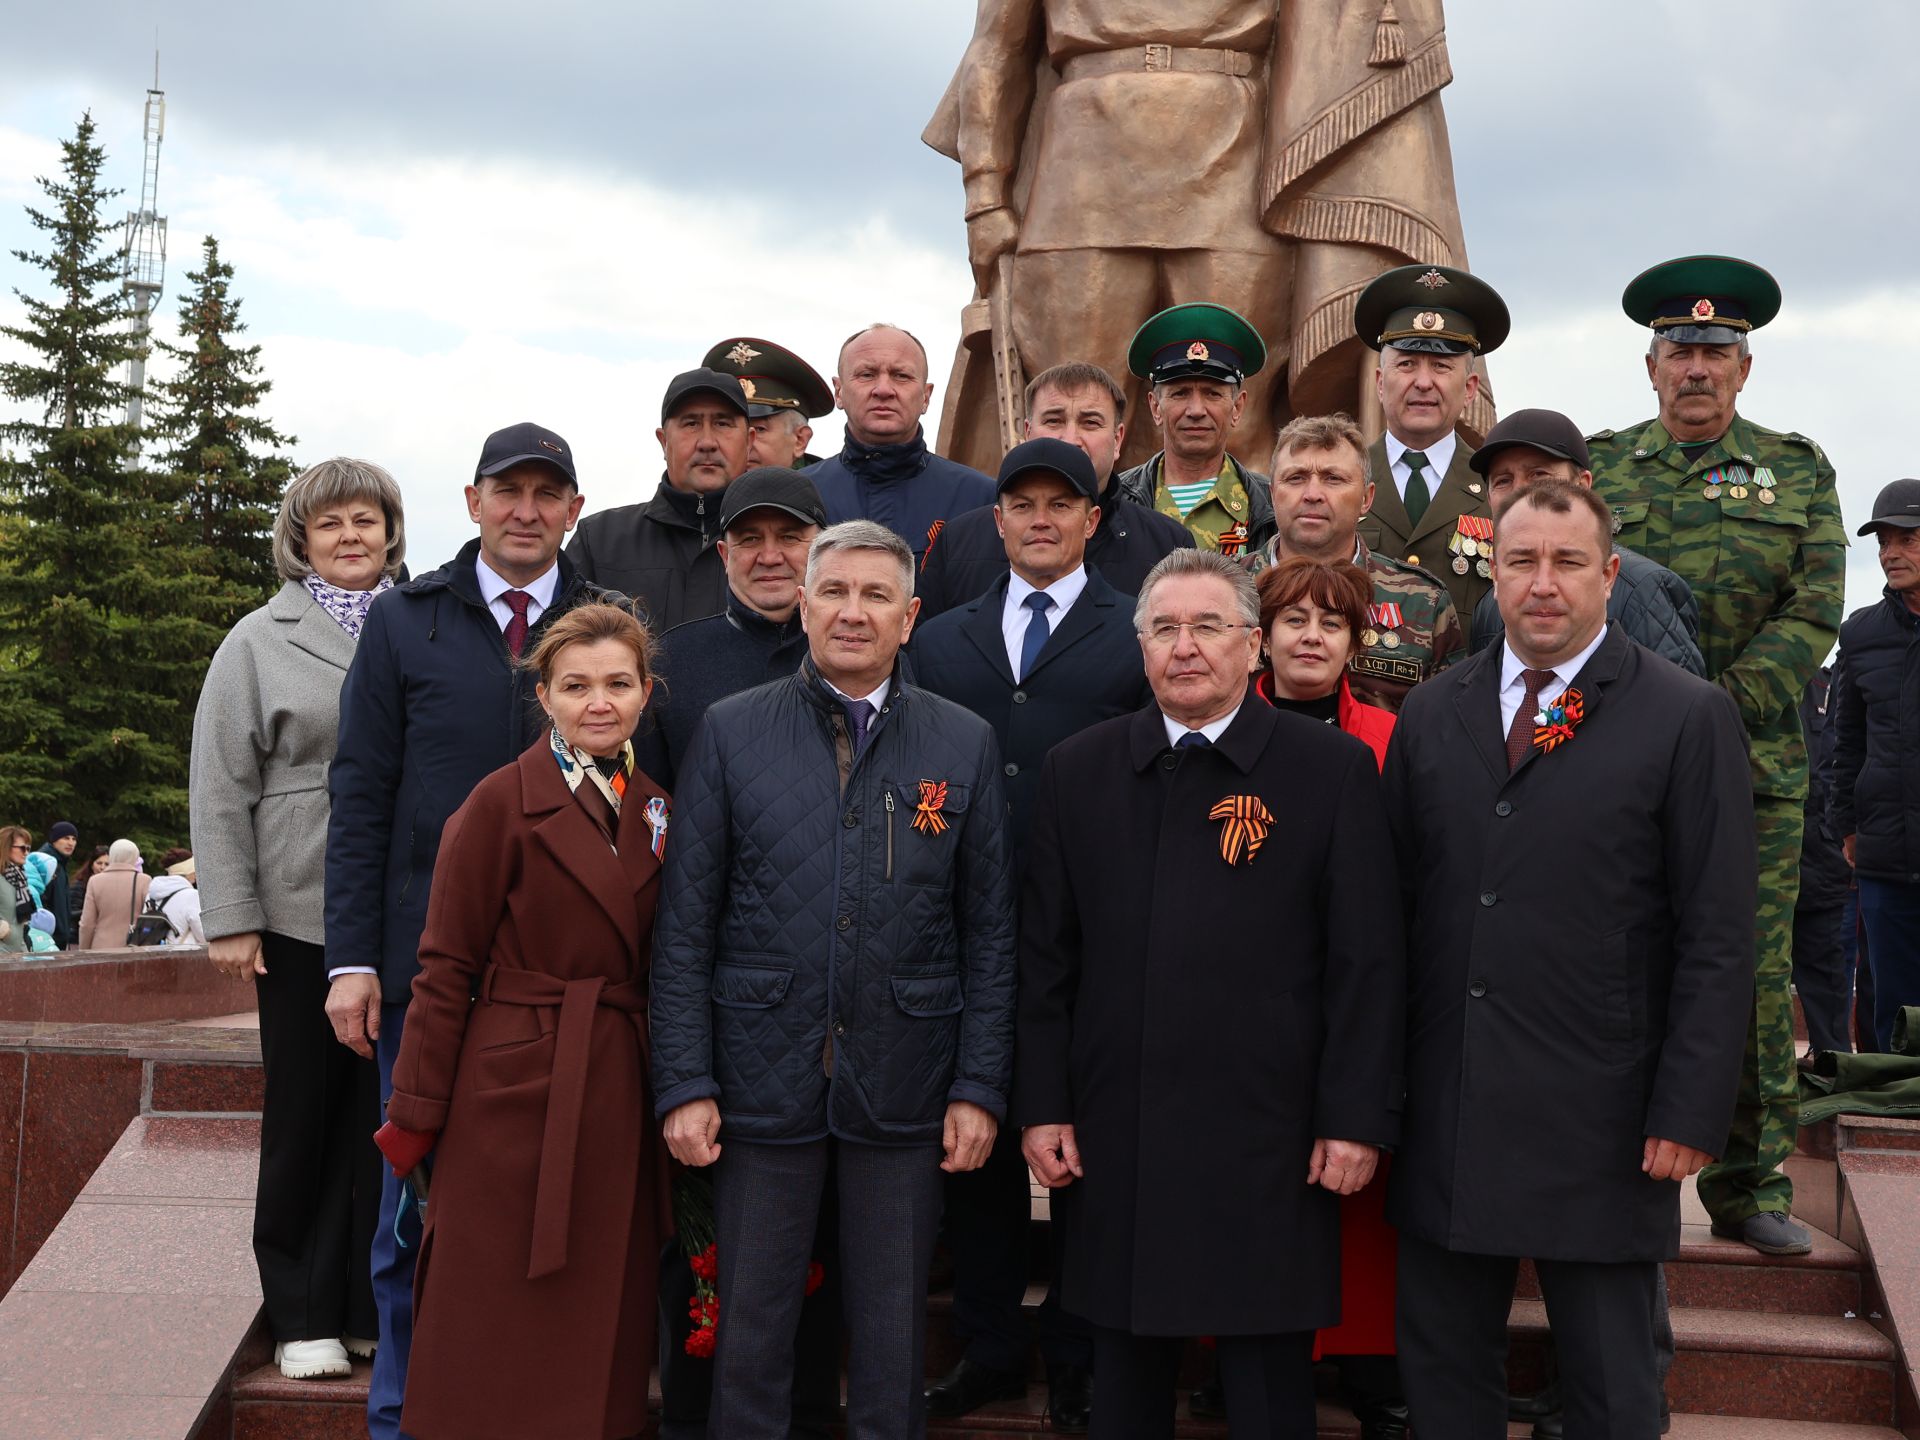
(526, 441)
(1049, 456)
(1897, 505)
(773, 487)
(727, 387)
(1545, 430)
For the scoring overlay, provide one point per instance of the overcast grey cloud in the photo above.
(445, 216)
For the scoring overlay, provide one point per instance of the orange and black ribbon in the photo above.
(926, 815)
(1245, 830)
(1557, 722)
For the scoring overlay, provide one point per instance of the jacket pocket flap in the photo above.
(751, 987)
(952, 802)
(1630, 513)
(928, 995)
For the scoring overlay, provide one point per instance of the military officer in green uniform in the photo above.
(1749, 518)
(783, 394)
(1321, 490)
(1429, 322)
(1196, 359)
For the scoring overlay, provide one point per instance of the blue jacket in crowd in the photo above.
(1875, 711)
(822, 963)
(907, 488)
(431, 706)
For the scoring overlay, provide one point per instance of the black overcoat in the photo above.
(1201, 1023)
(1580, 956)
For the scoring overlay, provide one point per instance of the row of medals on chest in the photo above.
(1731, 480)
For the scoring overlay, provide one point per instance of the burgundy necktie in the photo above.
(517, 601)
(1520, 733)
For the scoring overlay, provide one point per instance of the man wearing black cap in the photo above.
(885, 472)
(768, 518)
(62, 840)
(1876, 764)
(1197, 359)
(1651, 603)
(432, 704)
(1085, 406)
(783, 393)
(1047, 651)
(661, 552)
(1750, 519)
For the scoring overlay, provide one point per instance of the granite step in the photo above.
(1723, 1274)
(1876, 1132)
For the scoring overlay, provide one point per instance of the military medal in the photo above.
(1369, 637)
(656, 818)
(1245, 830)
(1468, 547)
(1382, 621)
(1766, 497)
(927, 818)
(1390, 641)
(1461, 565)
(1483, 570)
(1712, 492)
(1738, 492)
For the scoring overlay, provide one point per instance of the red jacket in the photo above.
(1357, 718)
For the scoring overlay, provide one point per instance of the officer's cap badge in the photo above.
(1433, 280)
(1428, 320)
(1197, 351)
(741, 353)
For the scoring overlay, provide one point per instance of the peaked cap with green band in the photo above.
(1702, 299)
(773, 377)
(1199, 339)
(1433, 309)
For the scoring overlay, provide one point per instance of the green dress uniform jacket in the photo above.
(1234, 517)
(1752, 524)
(1386, 530)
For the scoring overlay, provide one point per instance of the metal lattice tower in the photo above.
(143, 257)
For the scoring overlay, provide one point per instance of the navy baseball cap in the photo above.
(526, 441)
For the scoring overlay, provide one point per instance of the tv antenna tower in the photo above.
(143, 258)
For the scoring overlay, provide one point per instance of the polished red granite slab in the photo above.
(229, 1089)
(74, 1108)
(120, 986)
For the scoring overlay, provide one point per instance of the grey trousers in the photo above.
(766, 1199)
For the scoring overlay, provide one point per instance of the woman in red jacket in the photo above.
(1311, 617)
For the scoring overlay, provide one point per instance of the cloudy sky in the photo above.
(450, 216)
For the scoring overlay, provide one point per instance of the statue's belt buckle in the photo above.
(1159, 57)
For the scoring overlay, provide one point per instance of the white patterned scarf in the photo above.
(348, 607)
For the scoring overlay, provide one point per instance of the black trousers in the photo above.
(1823, 975)
(1267, 1381)
(988, 1220)
(318, 1196)
(1452, 1330)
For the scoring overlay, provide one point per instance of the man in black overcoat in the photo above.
(1045, 652)
(1575, 833)
(1209, 1048)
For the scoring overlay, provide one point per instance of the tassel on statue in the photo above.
(1389, 41)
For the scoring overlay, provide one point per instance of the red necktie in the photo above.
(1520, 733)
(517, 601)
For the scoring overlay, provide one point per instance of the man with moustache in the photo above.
(1429, 323)
(1048, 650)
(1085, 406)
(1322, 487)
(1574, 831)
(1196, 359)
(784, 394)
(1749, 518)
(662, 552)
(885, 472)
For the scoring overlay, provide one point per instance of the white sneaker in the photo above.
(356, 1346)
(311, 1359)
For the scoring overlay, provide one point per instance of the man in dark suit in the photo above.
(1581, 896)
(1153, 1039)
(1429, 322)
(1043, 654)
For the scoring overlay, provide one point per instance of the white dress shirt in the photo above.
(1213, 732)
(876, 699)
(1015, 616)
(1439, 457)
(1513, 687)
(492, 587)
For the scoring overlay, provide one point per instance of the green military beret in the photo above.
(1702, 299)
(1435, 309)
(773, 377)
(1206, 340)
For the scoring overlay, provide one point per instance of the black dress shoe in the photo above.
(1535, 1406)
(1209, 1402)
(1382, 1420)
(968, 1386)
(1070, 1399)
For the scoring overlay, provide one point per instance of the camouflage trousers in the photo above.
(1766, 1117)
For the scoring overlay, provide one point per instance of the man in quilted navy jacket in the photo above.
(833, 977)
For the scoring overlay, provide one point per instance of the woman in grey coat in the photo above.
(263, 737)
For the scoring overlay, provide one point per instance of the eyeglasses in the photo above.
(21, 845)
(1204, 632)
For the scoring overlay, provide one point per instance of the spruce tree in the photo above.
(107, 604)
(225, 454)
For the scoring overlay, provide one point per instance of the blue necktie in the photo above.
(1035, 640)
(1192, 740)
(859, 716)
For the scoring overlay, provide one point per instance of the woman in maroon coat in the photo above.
(524, 1068)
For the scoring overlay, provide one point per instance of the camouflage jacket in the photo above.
(1425, 640)
(1752, 524)
(1234, 518)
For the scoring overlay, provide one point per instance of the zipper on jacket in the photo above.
(888, 792)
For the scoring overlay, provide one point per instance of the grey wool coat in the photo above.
(263, 737)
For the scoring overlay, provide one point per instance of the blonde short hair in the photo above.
(335, 482)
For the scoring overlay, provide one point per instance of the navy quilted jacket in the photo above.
(822, 964)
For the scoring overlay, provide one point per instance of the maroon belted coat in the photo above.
(534, 1295)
